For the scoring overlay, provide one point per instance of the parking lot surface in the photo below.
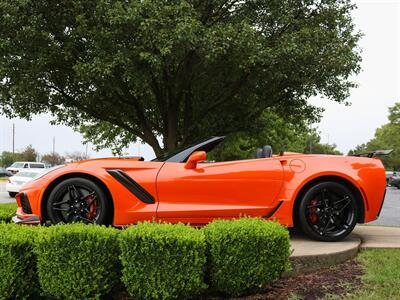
(4, 198)
(390, 214)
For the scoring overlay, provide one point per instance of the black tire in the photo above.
(78, 200)
(12, 194)
(328, 212)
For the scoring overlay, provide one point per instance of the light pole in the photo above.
(13, 138)
(54, 145)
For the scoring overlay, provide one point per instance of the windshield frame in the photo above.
(182, 154)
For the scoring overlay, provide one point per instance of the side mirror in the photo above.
(195, 158)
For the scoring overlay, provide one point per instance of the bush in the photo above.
(162, 261)
(245, 254)
(78, 261)
(7, 211)
(18, 278)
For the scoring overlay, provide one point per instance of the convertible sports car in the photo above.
(323, 195)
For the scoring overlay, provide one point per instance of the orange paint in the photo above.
(196, 192)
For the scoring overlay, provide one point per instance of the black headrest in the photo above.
(259, 153)
(267, 151)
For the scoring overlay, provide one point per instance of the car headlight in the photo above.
(47, 172)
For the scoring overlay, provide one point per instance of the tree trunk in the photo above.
(172, 134)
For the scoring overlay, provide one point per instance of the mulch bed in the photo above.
(339, 280)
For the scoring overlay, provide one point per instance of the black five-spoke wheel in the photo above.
(78, 200)
(328, 211)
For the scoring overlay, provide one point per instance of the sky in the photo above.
(346, 126)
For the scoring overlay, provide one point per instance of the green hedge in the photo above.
(159, 261)
(78, 261)
(162, 261)
(245, 254)
(7, 211)
(18, 279)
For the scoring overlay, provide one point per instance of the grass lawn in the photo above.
(382, 274)
(3, 179)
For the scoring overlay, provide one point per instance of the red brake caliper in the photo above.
(312, 216)
(92, 207)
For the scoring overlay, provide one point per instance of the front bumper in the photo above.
(24, 213)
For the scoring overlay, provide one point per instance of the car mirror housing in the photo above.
(194, 158)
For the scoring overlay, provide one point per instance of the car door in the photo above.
(221, 189)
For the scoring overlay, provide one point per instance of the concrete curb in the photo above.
(309, 255)
(378, 237)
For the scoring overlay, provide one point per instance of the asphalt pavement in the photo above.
(4, 197)
(390, 214)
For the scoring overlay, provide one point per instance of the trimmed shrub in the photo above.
(7, 211)
(162, 261)
(78, 261)
(245, 254)
(18, 278)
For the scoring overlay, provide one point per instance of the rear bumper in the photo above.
(383, 200)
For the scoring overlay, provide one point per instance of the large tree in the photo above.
(7, 158)
(386, 137)
(29, 154)
(169, 72)
(282, 134)
(53, 159)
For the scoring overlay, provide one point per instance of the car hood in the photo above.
(106, 159)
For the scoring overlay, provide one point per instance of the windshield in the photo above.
(167, 155)
(182, 154)
(172, 153)
(27, 174)
(17, 165)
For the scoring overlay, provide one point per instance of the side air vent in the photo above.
(131, 185)
(26, 207)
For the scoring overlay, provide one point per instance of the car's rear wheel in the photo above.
(328, 212)
(78, 200)
(12, 194)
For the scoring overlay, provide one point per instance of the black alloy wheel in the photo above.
(78, 200)
(328, 212)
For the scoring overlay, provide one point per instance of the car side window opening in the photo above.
(25, 166)
(217, 151)
(40, 166)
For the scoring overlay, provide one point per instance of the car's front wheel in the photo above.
(78, 200)
(12, 194)
(328, 212)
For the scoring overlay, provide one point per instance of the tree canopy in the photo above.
(281, 134)
(171, 72)
(7, 158)
(386, 137)
(53, 159)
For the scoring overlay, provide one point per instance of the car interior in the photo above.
(264, 152)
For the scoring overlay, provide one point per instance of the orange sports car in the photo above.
(323, 195)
